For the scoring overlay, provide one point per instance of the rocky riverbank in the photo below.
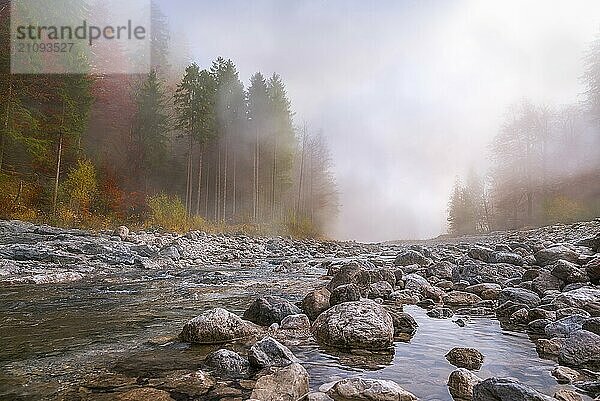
(541, 282)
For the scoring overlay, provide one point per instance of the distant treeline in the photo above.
(545, 166)
(180, 143)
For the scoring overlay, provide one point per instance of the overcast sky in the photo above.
(408, 93)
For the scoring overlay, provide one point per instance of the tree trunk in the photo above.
(224, 217)
(234, 195)
(218, 185)
(206, 195)
(273, 175)
(199, 180)
(188, 183)
(299, 200)
(255, 182)
(56, 177)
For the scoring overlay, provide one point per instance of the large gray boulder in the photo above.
(352, 274)
(520, 296)
(569, 272)
(411, 257)
(267, 310)
(548, 256)
(217, 326)
(461, 383)
(506, 389)
(581, 298)
(316, 302)
(564, 327)
(344, 293)
(269, 352)
(581, 349)
(359, 324)
(468, 358)
(360, 389)
(227, 363)
(289, 383)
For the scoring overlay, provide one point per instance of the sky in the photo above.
(408, 93)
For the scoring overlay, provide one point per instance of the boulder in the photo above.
(143, 394)
(468, 358)
(581, 298)
(269, 352)
(352, 274)
(592, 324)
(227, 363)
(592, 269)
(358, 324)
(360, 389)
(569, 272)
(380, 289)
(519, 295)
(441, 270)
(546, 281)
(267, 310)
(564, 327)
(316, 302)
(461, 298)
(548, 256)
(581, 349)
(440, 313)
(565, 375)
(217, 326)
(344, 293)
(506, 389)
(295, 322)
(404, 324)
(461, 383)
(289, 383)
(416, 283)
(567, 395)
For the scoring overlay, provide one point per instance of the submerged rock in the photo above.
(359, 389)
(461, 383)
(468, 358)
(359, 324)
(506, 389)
(217, 326)
(228, 363)
(289, 383)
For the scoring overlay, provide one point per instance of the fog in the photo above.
(408, 93)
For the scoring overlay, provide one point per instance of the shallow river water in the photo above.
(57, 337)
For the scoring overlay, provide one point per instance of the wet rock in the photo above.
(440, 313)
(416, 283)
(520, 316)
(468, 358)
(411, 257)
(404, 324)
(121, 232)
(551, 255)
(363, 325)
(404, 297)
(509, 258)
(519, 295)
(592, 324)
(582, 298)
(316, 302)
(505, 389)
(144, 394)
(352, 274)
(380, 289)
(538, 326)
(479, 289)
(545, 281)
(295, 322)
(566, 312)
(482, 253)
(269, 309)
(442, 270)
(191, 383)
(360, 389)
(289, 383)
(461, 298)
(590, 387)
(569, 272)
(581, 349)
(228, 363)
(592, 269)
(217, 326)
(269, 352)
(567, 395)
(564, 327)
(318, 396)
(461, 383)
(548, 347)
(344, 293)
(565, 375)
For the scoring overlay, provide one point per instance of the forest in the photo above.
(545, 165)
(182, 147)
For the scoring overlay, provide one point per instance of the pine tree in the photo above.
(151, 128)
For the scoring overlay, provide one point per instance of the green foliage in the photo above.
(81, 187)
(167, 212)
